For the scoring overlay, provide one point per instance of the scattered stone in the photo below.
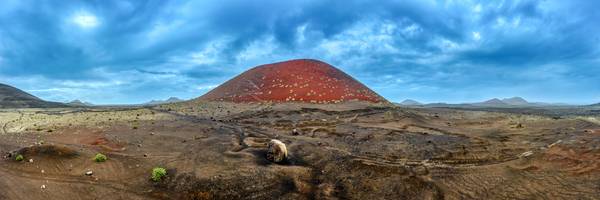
(526, 154)
(519, 125)
(390, 115)
(30, 160)
(277, 152)
(421, 170)
(555, 143)
(89, 173)
(43, 187)
(295, 132)
(353, 118)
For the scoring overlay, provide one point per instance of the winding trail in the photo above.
(4, 131)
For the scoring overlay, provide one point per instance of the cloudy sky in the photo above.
(109, 52)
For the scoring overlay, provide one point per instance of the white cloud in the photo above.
(162, 29)
(448, 45)
(477, 8)
(206, 87)
(258, 49)
(85, 19)
(210, 54)
(500, 21)
(365, 37)
(300, 31)
(476, 36)
(517, 21)
(412, 30)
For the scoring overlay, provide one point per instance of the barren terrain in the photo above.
(340, 151)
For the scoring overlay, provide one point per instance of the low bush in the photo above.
(158, 173)
(100, 157)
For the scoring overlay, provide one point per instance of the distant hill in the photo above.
(11, 97)
(300, 80)
(169, 100)
(491, 103)
(77, 102)
(410, 102)
(502, 103)
(515, 101)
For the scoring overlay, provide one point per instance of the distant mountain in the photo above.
(410, 102)
(508, 102)
(77, 102)
(515, 101)
(504, 103)
(11, 97)
(169, 100)
(492, 103)
(549, 104)
(439, 104)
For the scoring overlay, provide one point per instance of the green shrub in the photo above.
(100, 157)
(158, 173)
(19, 157)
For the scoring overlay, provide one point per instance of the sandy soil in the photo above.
(342, 151)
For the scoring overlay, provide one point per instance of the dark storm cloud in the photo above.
(135, 51)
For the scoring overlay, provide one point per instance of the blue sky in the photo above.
(110, 52)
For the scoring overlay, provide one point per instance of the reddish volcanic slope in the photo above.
(303, 80)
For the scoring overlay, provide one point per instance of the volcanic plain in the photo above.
(348, 145)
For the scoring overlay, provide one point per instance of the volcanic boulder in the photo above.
(303, 80)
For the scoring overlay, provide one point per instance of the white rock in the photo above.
(555, 143)
(89, 173)
(43, 187)
(277, 152)
(526, 154)
(30, 160)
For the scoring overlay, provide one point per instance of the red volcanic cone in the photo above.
(304, 80)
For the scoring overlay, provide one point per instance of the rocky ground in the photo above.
(342, 151)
